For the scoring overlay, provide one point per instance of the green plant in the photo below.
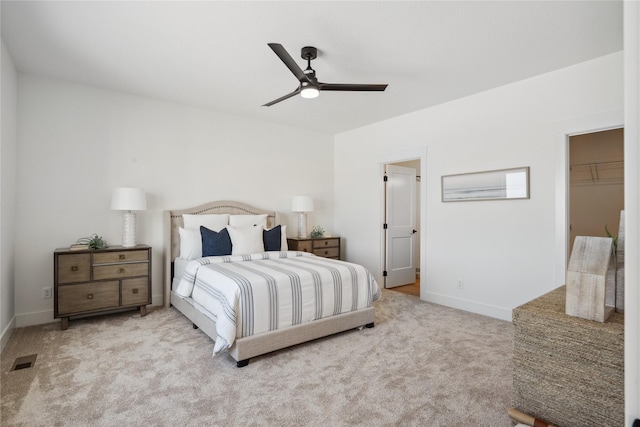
(94, 241)
(316, 232)
(615, 239)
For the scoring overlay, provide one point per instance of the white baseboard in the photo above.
(157, 299)
(42, 317)
(34, 318)
(468, 305)
(6, 334)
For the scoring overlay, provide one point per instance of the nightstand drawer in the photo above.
(118, 271)
(88, 297)
(74, 268)
(328, 247)
(327, 252)
(121, 256)
(135, 291)
(325, 243)
(304, 246)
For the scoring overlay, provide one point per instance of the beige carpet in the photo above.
(422, 365)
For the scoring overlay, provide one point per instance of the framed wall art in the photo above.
(502, 184)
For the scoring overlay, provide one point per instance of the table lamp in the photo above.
(128, 199)
(302, 205)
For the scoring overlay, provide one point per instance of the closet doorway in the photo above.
(596, 183)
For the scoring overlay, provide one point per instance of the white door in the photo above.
(400, 200)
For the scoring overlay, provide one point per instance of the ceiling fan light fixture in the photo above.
(309, 84)
(309, 92)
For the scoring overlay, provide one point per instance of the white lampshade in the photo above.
(128, 199)
(302, 204)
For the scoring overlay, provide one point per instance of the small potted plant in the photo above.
(317, 232)
(94, 242)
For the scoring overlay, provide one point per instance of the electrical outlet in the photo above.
(460, 284)
(46, 293)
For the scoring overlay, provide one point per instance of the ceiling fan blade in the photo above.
(288, 61)
(294, 93)
(351, 87)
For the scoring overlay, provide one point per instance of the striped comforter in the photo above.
(255, 293)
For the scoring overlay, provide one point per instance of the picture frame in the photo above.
(500, 184)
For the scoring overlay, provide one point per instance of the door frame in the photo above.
(408, 274)
(564, 130)
(403, 155)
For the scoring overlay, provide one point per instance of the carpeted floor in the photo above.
(422, 365)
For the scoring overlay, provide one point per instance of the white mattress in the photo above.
(179, 265)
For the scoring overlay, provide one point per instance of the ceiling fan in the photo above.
(310, 87)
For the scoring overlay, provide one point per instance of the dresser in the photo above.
(94, 281)
(567, 371)
(328, 247)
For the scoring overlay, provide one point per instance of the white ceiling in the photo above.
(214, 54)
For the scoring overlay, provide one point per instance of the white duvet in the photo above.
(255, 293)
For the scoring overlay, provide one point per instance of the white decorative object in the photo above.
(128, 199)
(591, 279)
(302, 205)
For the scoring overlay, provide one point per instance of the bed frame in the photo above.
(245, 348)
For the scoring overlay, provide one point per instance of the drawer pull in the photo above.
(135, 290)
(326, 242)
(74, 268)
(90, 296)
(121, 270)
(326, 252)
(121, 256)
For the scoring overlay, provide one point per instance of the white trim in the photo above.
(467, 305)
(34, 318)
(565, 129)
(6, 334)
(157, 300)
(632, 210)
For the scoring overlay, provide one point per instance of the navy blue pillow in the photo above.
(272, 239)
(215, 244)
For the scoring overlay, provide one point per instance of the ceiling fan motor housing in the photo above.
(309, 53)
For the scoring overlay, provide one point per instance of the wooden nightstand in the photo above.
(94, 281)
(328, 247)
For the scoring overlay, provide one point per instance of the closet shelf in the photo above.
(601, 172)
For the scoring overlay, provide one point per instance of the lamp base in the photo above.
(302, 225)
(129, 230)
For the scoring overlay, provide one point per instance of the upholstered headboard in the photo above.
(173, 220)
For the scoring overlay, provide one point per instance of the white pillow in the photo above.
(248, 220)
(214, 222)
(190, 243)
(284, 246)
(246, 240)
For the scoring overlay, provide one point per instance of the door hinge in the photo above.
(384, 226)
(386, 178)
(384, 273)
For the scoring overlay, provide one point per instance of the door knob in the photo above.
(415, 231)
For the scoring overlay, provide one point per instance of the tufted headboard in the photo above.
(173, 220)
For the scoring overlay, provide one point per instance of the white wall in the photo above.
(8, 147)
(632, 210)
(77, 143)
(502, 250)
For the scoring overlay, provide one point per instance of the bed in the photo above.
(201, 288)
